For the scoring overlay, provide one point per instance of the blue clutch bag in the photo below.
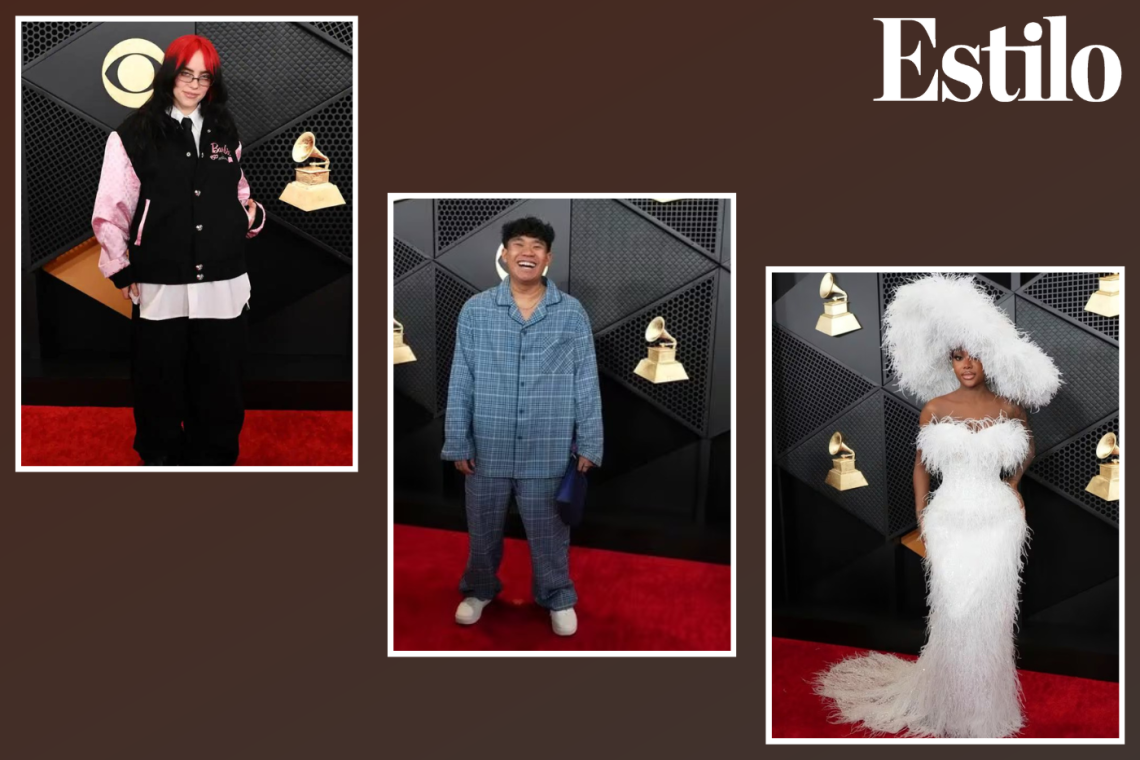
(571, 496)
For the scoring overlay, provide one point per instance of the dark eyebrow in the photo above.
(187, 68)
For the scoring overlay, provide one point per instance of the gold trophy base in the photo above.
(660, 372)
(837, 324)
(312, 197)
(1106, 485)
(1104, 304)
(843, 476)
(401, 351)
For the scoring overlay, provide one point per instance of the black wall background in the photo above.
(663, 487)
(74, 349)
(840, 572)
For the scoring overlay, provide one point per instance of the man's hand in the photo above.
(466, 466)
(130, 290)
(584, 464)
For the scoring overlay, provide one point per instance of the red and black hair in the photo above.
(152, 122)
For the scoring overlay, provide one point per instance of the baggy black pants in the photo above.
(186, 375)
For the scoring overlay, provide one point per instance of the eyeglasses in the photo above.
(185, 76)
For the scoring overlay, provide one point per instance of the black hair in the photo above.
(530, 226)
(151, 123)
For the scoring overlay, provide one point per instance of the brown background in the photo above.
(244, 615)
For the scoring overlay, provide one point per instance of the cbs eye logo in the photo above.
(129, 69)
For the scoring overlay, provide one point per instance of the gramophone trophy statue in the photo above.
(311, 189)
(661, 366)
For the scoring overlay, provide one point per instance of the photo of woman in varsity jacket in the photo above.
(172, 216)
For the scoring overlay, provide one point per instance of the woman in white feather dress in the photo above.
(975, 433)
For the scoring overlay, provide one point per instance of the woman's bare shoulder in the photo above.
(935, 407)
(1011, 409)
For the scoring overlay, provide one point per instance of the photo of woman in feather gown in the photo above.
(961, 355)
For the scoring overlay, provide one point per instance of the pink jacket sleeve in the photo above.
(243, 196)
(115, 204)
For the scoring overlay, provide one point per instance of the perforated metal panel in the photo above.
(341, 31)
(269, 168)
(1089, 366)
(901, 424)
(621, 261)
(41, 36)
(1070, 468)
(688, 318)
(64, 177)
(450, 295)
(313, 72)
(415, 308)
(696, 219)
(406, 258)
(1068, 292)
(455, 218)
(862, 429)
(808, 387)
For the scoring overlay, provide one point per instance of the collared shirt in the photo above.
(521, 389)
(114, 206)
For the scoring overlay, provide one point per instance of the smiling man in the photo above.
(524, 383)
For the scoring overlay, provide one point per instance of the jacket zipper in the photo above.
(138, 237)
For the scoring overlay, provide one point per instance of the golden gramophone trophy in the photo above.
(401, 352)
(843, 476)
(1106, 485)
(311, 189)
(661, 366)
(835, 319)
(1106, 300)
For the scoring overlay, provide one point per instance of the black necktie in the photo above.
(188, 129)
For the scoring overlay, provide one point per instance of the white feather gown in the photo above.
(964, 683)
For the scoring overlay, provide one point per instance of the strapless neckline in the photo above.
(973, 425)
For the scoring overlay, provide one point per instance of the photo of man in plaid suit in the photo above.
(523, 387)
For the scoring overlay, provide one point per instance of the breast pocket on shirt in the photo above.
(557, 358)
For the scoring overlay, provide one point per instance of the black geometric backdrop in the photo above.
(627, 261)
(284, 79)
(816, 393)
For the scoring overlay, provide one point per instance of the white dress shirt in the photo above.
(220, 299)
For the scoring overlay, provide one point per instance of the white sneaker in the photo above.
(565, 622)
(469, 610)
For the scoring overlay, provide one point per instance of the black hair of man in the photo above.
(529, 226)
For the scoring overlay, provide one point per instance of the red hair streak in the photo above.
(184, 48)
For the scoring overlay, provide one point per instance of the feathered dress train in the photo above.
(964, 683)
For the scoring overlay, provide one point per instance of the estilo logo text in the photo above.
(954, 69)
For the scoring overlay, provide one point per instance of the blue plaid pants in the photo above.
(547, 536)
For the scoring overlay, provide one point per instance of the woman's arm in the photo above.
(1015, 479)
(921, 477)
(254, 210)
(115, 204)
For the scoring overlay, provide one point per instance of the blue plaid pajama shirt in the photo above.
(521, 389)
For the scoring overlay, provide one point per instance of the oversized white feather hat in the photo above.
(935, 314)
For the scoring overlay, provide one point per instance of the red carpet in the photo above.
(625, 601)
(102, 436)
(1056, 707)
